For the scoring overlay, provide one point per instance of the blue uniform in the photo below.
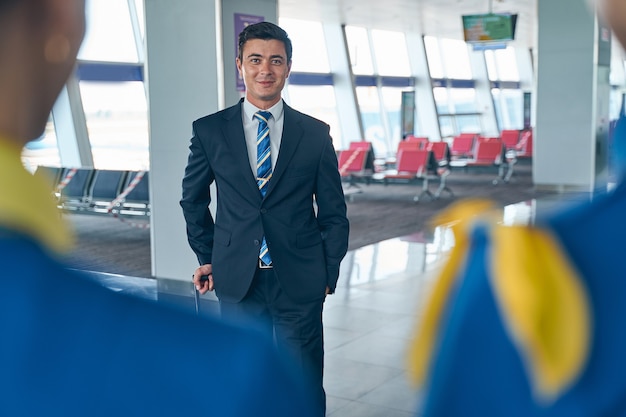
(71, 347)
(526, 337)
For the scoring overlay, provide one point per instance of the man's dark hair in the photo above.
(265, 31)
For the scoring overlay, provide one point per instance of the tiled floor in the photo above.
(370, 319)
(369, 323)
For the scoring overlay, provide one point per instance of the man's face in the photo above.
(264, 69)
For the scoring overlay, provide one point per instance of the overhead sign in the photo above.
(490, 27)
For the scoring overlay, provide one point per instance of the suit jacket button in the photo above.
(263, 211)
(257, 242)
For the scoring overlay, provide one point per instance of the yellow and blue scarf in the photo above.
(27, 204)
(541, 299)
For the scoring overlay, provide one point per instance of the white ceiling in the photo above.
(441, 18)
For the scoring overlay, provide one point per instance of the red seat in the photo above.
(463, 145)
(365, 145)
(510, 138)
(351, 161)
(441, 151)
(411, 163)
(489, 152)
(422, 140)
(416, 165)
(356, 163)
(524, 148)
(406, 144)
(488, 139)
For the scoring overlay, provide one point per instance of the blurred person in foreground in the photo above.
(69, 346)
(528, 320)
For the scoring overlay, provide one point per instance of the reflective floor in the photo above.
(370, 319)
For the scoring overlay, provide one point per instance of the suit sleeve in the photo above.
(331, 212)
(196, 198)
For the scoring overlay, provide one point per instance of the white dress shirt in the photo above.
(250, 128)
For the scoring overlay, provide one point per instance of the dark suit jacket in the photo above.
(303, 215)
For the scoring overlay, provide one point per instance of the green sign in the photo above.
(489, 27)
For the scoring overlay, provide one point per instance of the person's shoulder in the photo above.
(141, 346)
(22, 255)
(228, 362)
(605, 208)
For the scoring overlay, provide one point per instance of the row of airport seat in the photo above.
(412, 164)
(418, 160)
(504, 151)
(117, 193)
(516, 143)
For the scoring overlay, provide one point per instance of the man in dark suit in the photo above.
(294, 211)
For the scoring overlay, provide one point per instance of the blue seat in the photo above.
(73, 189)
(136, 201)
(106, 186)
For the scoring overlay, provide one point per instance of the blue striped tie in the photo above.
(263, 167)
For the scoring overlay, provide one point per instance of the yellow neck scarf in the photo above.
(27, 204)
(541, 297)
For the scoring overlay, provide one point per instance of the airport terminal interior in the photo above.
(428, 103)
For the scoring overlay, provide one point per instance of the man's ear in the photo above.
(238, 63)
(288, 70)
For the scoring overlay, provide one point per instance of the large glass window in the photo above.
(319, 102)
(391, 53)
(456, 107)
(117, 120)
(369, 104)
(310, 56)
(359, 50)
(463, 100)
(379, 53)
(455, 59)
(435, 63)
(507, 64)
(457, 110)
(109, 35)
(509, 103)
(392, 101)
(309, 47)
(492, 69)
(502, 64)
(509, 112)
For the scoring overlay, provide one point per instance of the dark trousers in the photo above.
(296, 327)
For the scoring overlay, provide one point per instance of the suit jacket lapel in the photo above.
(236, 140)
(292, 134)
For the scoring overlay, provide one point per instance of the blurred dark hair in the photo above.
(265, 31)
(7, 4)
